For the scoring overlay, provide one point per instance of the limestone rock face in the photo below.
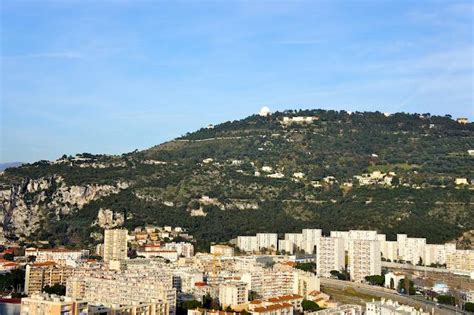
(108, 219)
(24, 206)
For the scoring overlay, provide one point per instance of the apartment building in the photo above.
(311, 235)
(170, 254)
(44, 304)
(185, 279)
(126, 288)
(222, 250)
(273, 309)
(115, 244)
(330, 255)
(62, 257)
(233, 293)
(460, 260)
(295, 239)
(389, 307)
(437, 253)
(411, 249)
(305, 282)
(310, 240)
(346, 309)
(347, 236)
(267, 241)
(295, 300)
(268, 283)
(389, 250)
(39, 275)
(184, 249)
(286, 246)
(364, 259)
(247, 243)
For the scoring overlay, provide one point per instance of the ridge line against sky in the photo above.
(112, 76)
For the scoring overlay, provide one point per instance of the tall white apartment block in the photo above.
(247, 243)
(437, 253)
(344, 235)
(310, 239)
(364, 259)
(355, 235)
(312, 235)
(115, 244)
(233, 293)
(389, 250)
(330, 256)
(411, 248)
(267, 241)
(286, 246)
(363, 235)
(295, 238)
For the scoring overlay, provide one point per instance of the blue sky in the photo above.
(114, 76)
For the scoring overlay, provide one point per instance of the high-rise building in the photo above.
(461, 260)
(389, 250)
(411, 249)
(330, 256)
(247, 243)
(44, 304)
(115, 244)
(437, 253)
(233, 293)
(267, 241)
(39, 275)
(364, 259)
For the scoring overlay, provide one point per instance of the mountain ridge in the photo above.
(281, 172)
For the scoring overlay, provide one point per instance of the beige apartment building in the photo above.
(43, 304)
(233, 293)
(115, 244)
(222, 250)
(461, 260)
(39, 275)
(126, 288)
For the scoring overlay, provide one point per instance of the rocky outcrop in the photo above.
(23, 207)
(109, 219)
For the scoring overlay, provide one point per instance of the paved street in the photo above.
(390, 294)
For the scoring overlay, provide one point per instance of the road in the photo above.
(390, 294)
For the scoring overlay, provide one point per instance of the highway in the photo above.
(415, 301)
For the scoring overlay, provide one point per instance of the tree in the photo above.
(56, 288)
(9, 256)
(310, 306)
(446, 299)
(469, 306)
(192, 304)
(341, 275)
(375, 280)
(406, 287)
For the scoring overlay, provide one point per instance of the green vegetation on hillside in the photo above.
(425, 152)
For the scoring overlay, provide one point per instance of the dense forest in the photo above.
(261, 174)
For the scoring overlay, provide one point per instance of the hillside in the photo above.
(333, 170)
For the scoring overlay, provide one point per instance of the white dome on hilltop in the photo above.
(264, 111)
